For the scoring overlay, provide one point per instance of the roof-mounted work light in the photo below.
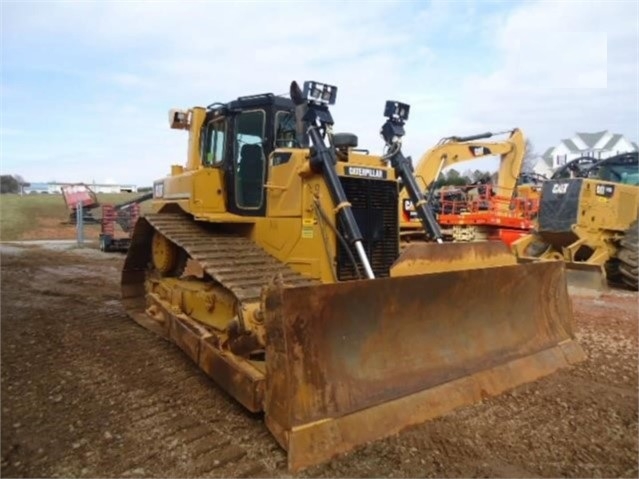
(396, 110)
(397, 114)
(320, 93)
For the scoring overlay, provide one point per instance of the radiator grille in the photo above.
(375, 208)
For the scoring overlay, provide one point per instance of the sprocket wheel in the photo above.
(164, 254)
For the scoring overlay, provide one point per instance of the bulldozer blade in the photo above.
(352, 362)
(422, 257)
(584, 276)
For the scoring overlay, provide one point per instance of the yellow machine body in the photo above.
(241, 265)
(591, 225)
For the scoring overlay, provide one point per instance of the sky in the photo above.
(86, 86)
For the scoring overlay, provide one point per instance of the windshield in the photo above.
(620, 173)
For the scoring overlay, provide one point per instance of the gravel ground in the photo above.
(86, 393)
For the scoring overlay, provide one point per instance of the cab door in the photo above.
(246, 172)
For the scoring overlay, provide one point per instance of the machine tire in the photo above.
(629, 257)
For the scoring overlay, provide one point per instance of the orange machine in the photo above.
(479, 212)
(503, 211)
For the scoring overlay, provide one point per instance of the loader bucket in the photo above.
(351, 362)
(581, 277)
(586, 276)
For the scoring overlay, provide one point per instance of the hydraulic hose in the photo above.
(402, 169)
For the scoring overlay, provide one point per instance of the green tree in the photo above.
(9, 184)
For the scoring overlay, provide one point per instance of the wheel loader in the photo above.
(272, 259)
(589, 221)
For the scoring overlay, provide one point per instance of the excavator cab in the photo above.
(272, 260)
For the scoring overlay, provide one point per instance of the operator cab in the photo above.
(619, 169)
(238, 137)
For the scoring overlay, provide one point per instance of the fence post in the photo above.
(79, 222)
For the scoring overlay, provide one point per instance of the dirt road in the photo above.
(87, 392)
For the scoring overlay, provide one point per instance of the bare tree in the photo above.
(530, 157)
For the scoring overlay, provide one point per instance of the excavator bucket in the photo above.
(352, 362)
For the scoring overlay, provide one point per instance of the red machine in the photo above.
(76, 194)
(475, 212)
(125, 215)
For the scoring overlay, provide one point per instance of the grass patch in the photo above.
(21, 216)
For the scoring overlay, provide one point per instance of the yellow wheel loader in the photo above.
(272, 260)
(589, 221)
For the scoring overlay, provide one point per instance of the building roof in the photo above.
(571, 145)
(591, 139)
(612, 142)
(547, 157)
(635, 145)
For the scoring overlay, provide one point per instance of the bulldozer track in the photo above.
(234, 261)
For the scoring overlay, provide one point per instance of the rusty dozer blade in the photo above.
(352, 362)
(422, 257)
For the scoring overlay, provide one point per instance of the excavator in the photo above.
(588, 218)
(272, 259)
(505, 211)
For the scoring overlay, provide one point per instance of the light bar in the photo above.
(395, 109)
(320, 92)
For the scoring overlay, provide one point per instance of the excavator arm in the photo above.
(454, 150)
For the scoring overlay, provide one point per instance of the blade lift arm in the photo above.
(392, 132)
(323, 160)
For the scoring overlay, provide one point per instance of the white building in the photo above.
(54, 187)
(599, 145)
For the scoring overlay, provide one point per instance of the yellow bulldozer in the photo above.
(588, 219)
(272, 260)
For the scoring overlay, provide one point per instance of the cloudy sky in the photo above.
(86, 86)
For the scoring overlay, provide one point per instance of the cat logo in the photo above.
(479, 150)
(560, 188)
(366, 172)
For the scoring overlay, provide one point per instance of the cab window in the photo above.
(285, 133)
(213, 143)
(249, 158)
